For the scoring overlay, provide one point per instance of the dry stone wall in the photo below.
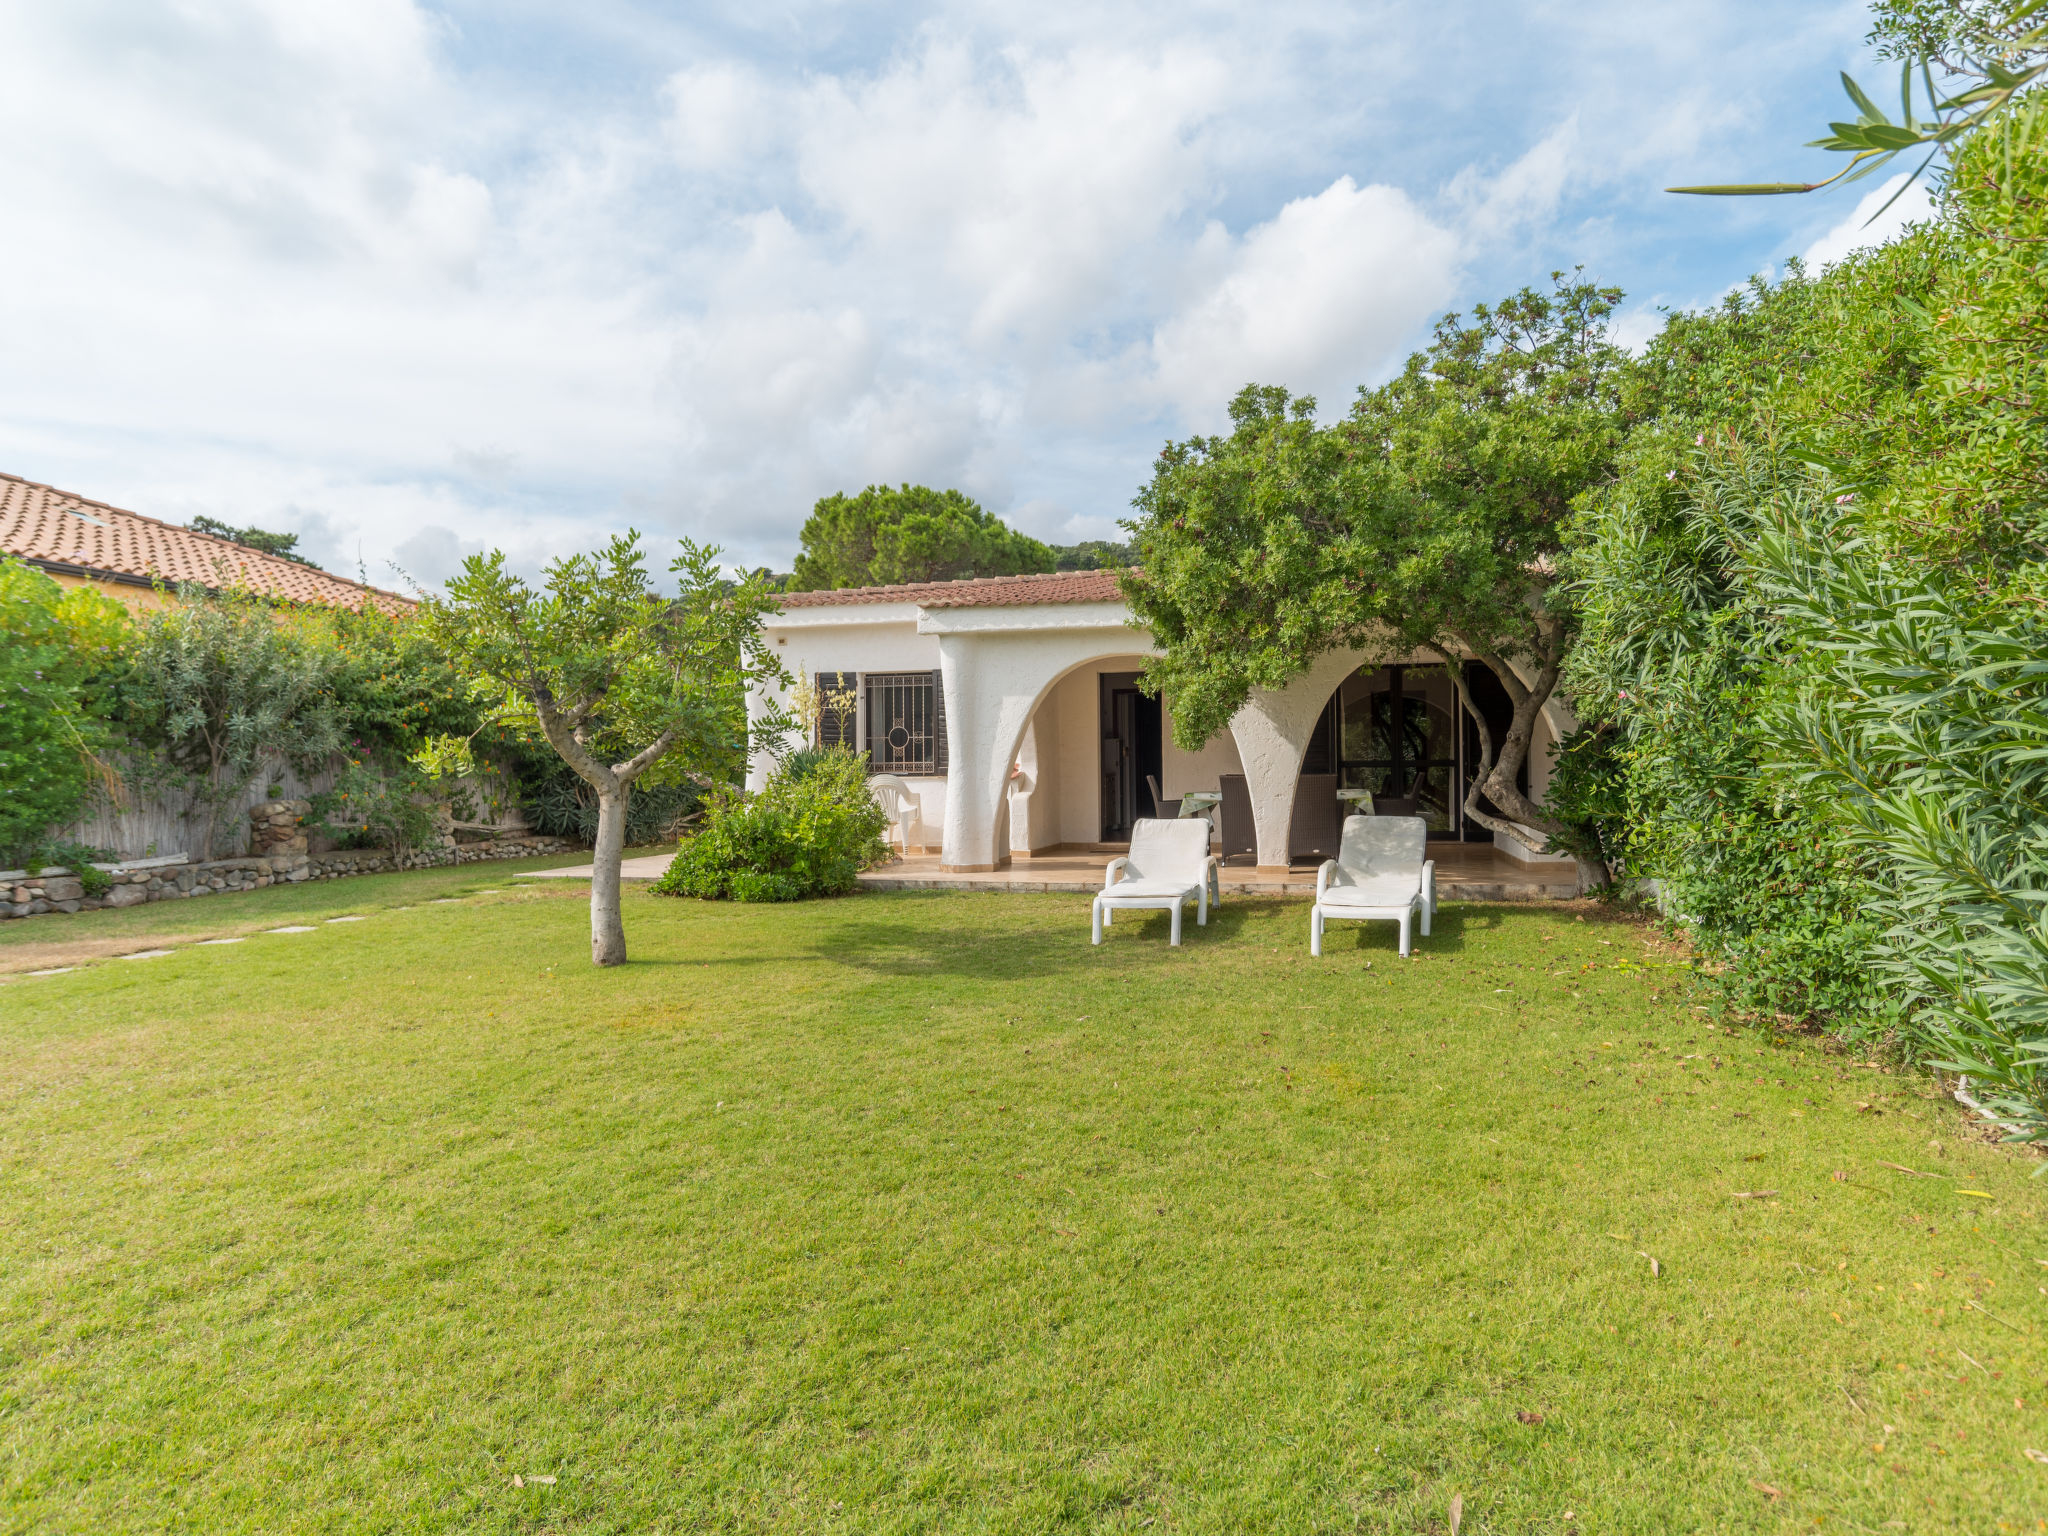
(279, 857)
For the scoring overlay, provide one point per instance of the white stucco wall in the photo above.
(1023, 684)
(882, 637)
(1001, 665)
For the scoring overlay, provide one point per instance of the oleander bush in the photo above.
(1809, 622)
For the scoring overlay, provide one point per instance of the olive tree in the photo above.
(627, 685)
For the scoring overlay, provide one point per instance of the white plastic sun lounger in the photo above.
(1168, 866)
(1379, 874)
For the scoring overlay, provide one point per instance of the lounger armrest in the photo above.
(1115, 871)
(1329, 868)
(1429, 882)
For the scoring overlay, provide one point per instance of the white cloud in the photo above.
(1527, 192)
(363, 272)
(1028, 180)
(1315, 299)
(1866, 226)
(1636, 326)
(722, 116)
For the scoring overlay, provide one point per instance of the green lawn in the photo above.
(916, 1213)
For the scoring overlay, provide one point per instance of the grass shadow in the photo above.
(904, 949)
(1448, 932)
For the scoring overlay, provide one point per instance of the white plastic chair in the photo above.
(900, 806)
(1168, 866)
(1379, 874)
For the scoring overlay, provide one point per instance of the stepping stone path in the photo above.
(353, 917)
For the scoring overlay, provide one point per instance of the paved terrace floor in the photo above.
(1464, 872)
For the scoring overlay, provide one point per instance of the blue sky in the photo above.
(415, 280)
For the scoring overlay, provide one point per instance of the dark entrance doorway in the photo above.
(1131, 741)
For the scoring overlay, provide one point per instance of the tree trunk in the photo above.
(1496, 776)
(614, 785)
(607, 924)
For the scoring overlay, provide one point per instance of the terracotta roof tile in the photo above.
(978, 592)
(41, 523)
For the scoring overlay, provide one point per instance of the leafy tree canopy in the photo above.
(1093, 555)
(1430, 518)
(885, 536)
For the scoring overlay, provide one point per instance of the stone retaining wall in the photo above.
(281, 860)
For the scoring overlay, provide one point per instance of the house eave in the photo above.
(87, 572)
(1062, 618)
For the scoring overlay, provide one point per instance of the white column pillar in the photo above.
(1272, 732)
(986, 708)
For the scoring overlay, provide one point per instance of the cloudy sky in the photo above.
(416, 279)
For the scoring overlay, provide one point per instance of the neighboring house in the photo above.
(128, 556)
(1011, 707)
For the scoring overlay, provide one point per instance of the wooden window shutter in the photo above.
(940, 754)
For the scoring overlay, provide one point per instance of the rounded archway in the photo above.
(1071, 764)
(996, 682)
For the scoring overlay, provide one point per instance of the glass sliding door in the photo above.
(1396, 735)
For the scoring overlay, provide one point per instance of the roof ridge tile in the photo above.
(1024, 589)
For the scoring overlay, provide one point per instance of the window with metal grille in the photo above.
(906, 723)
(838, 710)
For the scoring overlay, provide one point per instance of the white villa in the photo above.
(1010, 706)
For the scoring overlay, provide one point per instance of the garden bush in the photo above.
(556, 803)
(809, 833)
(60, 660)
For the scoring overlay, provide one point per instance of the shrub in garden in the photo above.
(557, 803)
(60, 656)
(221, 686)
(371, 806)
(809, 833)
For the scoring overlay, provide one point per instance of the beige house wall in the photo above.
(135, 599)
